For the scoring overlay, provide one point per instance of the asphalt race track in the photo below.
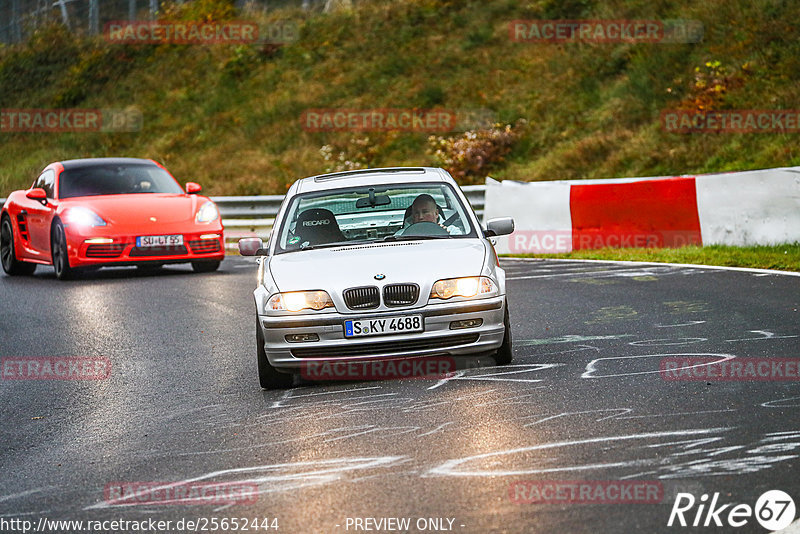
(584, 400)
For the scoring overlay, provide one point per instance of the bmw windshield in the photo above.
(372, 214)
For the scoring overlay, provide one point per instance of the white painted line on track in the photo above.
(651, 263)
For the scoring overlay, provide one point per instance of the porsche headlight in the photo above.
(80, 216)
(208, 212)
(300, 300)
(462, 287)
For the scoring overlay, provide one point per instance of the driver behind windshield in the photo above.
(424, 209)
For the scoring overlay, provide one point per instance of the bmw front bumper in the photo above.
(439, 338)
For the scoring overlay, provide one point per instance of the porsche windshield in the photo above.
(367, 214)
(116, 180)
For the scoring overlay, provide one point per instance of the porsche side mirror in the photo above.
(252, 246)
(37, 193)
(193, 188)
(499, 226)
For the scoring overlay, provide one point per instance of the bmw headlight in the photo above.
(208, 212)
(463, 287)
(300, 300)
(83, 217)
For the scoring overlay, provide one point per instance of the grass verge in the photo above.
(779, 257)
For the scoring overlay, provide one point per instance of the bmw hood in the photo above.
(339, 268)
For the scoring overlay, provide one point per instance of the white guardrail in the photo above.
(254, 216)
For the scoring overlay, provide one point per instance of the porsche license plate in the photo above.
(380, 326)
(159, 241)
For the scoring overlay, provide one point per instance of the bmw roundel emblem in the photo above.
(380, 276)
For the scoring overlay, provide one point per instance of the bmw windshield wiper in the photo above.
(328, 245)
(414, 237)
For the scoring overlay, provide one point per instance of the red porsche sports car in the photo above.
(89, 213)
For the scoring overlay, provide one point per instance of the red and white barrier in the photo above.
(744, 208)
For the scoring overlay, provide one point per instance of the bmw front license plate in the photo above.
(383, 325)
(159, 241)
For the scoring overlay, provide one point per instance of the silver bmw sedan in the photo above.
(377, 273)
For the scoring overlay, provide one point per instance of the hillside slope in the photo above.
(228, 116)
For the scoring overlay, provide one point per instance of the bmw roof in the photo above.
(389, 175)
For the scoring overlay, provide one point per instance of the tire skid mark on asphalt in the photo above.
(373, 429)
(353, 411)
(186, 411)
(289, 394)
(510, 401)
(350, 432)
(690, 323)
(766, 334)
(436, 430)
(591, 367)
(582, 412)
(625, 272)
(18, 514)
(495, 376)
(13, 496)
(677, 414)
(675, 464)
(778, 436)
(774, 403)
(272, 478)
(579, 348)
(754, 458)
(423, 405)
(453, 467)
(570, 338)
(474, 394)
(667, 342)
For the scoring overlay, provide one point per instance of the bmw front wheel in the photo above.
(268, 376)
(504, 356)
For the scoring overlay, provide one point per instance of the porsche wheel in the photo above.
(268, 376)
(504, 356)
(58, 247)
(11, 265)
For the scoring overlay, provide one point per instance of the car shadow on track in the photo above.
(462, 364)
(117, 273)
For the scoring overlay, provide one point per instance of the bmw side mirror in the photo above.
(499, 226)
(252, 246)
(193, 188)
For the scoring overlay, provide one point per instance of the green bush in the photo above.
(470, 156)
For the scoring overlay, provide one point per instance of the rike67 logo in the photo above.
(774, 510)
